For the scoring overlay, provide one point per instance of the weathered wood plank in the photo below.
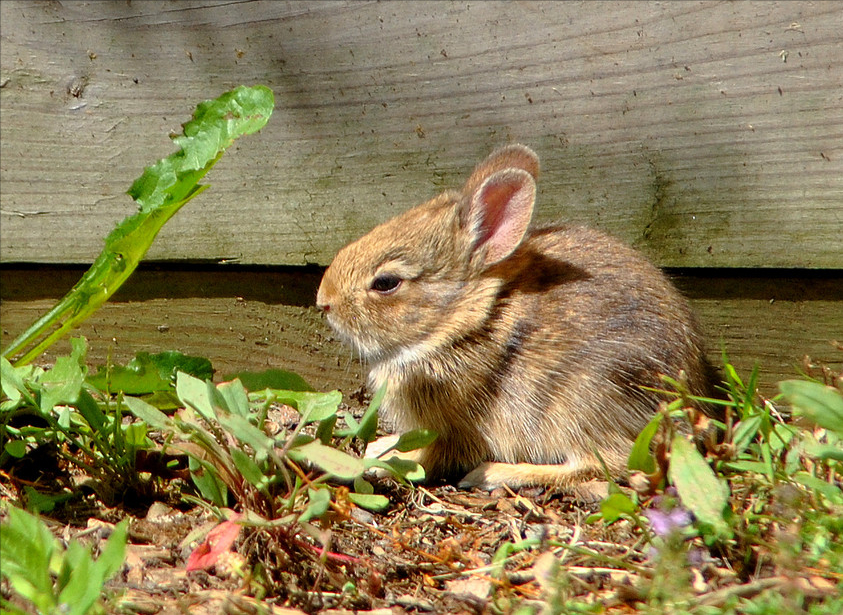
(708, 134)
(255, 320)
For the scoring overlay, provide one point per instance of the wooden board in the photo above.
(261, 319)
(708, 134)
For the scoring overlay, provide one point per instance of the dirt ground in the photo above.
(431, 552)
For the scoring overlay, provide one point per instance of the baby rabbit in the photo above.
(525, 349)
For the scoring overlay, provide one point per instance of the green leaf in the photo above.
(821, 404)
(318, 501)
(830, 491)
(26, 551)
(149, 414)
(235, 398)
(210, 485)
(16, 448)
(699, 489)
(247, 433)
(757, 467)
(150, 373)
(38, 502)
(640, 457)
(138, 377)
(325, 431)
(415, 439)
(91, 412)
(369, 423)
(614, 506)
(171, 362)
(214, 127)
(369, 501)
(406, 469)
(160, 192)
(110, 560)
(196, 394)
(311, 406)
(249, 469)
(12, 384)
(271, 379)
(81, 589)
(332, 461)
(745, 431)
(362, 486)
(61, 384)
(824, 452)
(135, 436)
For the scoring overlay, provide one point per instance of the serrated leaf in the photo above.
(699, 488)
(214, 127)
(160, 192)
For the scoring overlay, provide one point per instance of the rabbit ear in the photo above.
(499, 212)
(514, 156)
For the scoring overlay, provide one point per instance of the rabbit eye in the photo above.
(386, 283)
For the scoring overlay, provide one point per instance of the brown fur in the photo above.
(526, 350)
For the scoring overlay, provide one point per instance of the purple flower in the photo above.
(665, 523)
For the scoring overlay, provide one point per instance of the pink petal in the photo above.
(218, 541)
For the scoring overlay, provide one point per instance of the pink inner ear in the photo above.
(504, 206)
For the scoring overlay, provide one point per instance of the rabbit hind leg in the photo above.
(566, 476)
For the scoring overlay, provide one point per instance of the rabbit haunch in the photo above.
(527, 350)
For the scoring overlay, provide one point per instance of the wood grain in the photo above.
(708, 134)
(264, 318)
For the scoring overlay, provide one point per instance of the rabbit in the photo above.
(525, 349)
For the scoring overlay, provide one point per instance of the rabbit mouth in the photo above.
(365, 345)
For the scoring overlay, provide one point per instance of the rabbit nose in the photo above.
(322, 300)
(322, 303)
